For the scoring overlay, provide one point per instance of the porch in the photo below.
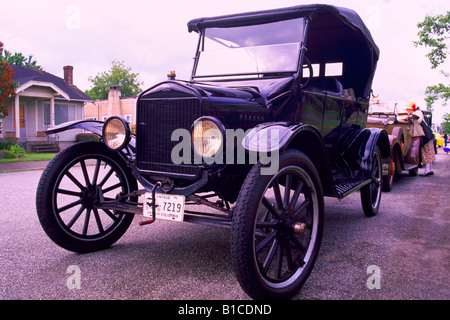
(35, 110)
(42, 101)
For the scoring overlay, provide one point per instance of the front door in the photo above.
(23, 131)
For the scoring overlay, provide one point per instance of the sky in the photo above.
(152, 38)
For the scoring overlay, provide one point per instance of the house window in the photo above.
(46, 114)
(63, 113)
(129, 117)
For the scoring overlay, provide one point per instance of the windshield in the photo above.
(386, 107)
(251, 50)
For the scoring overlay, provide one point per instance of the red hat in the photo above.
(411, 105)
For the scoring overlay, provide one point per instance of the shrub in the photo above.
(16, 149)
(87, 137)
(5, 154)
(5, 145)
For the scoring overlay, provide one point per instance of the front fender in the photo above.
(90, 125)
(93, 126)
(279, 136)
(274, 136)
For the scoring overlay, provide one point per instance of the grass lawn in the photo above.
(31, 157)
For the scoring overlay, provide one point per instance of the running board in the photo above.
(348, 186)
(411, 166)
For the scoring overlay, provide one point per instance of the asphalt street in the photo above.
(400, 254)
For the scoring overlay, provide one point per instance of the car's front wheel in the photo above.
(277, 228)
(69, 189)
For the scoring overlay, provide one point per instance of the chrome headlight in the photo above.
(116, 133)
(207, 136)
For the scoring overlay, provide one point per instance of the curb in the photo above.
(23, 166)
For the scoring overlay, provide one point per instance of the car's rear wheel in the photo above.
(388, 180)
(371, 193)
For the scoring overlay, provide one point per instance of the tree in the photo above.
(118, 75)
(18, 59)
(446, 123)
(435, 33)
(7, 86)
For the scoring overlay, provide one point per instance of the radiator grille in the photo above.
(157, 119)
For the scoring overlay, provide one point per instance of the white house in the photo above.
(42, 100)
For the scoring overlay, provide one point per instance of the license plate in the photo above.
(168, 206)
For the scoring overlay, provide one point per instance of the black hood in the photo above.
(238, 97)
(236, 107)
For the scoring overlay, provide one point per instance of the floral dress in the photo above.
(428, 154)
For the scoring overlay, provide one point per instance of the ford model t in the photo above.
(405, 150)
(272, 120)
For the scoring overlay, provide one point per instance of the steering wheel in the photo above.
(309, 66)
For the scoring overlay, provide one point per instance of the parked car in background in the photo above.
(405, 151)
(439, 139)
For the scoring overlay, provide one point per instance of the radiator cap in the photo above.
(171, 75)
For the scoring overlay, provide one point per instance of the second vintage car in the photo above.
(272, 120)
(405, 151)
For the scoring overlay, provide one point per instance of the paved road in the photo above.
(407, 243)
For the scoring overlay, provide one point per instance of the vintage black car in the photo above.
(272, 120)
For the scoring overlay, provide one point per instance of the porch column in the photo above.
(17, 115)
(36, 122)
(52, 112)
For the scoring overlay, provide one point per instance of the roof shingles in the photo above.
(23, 75)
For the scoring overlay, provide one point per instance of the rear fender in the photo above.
(369, 140)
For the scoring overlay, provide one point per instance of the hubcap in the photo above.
(91, 196)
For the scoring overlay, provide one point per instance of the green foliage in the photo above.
(434, 33)
(6, 154)
(4, 145)
(118, 75)
(18, 59)
(436, 92)
(12, 157)
(446, 124)
(16, 149)
(82, 137)
(10, 151)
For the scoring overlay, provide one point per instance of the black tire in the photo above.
(371, 193)
(66, 193)
(262, 229)
(413, 172)
(388, 180)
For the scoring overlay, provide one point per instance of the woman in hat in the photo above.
(428, 154)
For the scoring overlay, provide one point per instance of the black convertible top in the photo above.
(345, 16)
